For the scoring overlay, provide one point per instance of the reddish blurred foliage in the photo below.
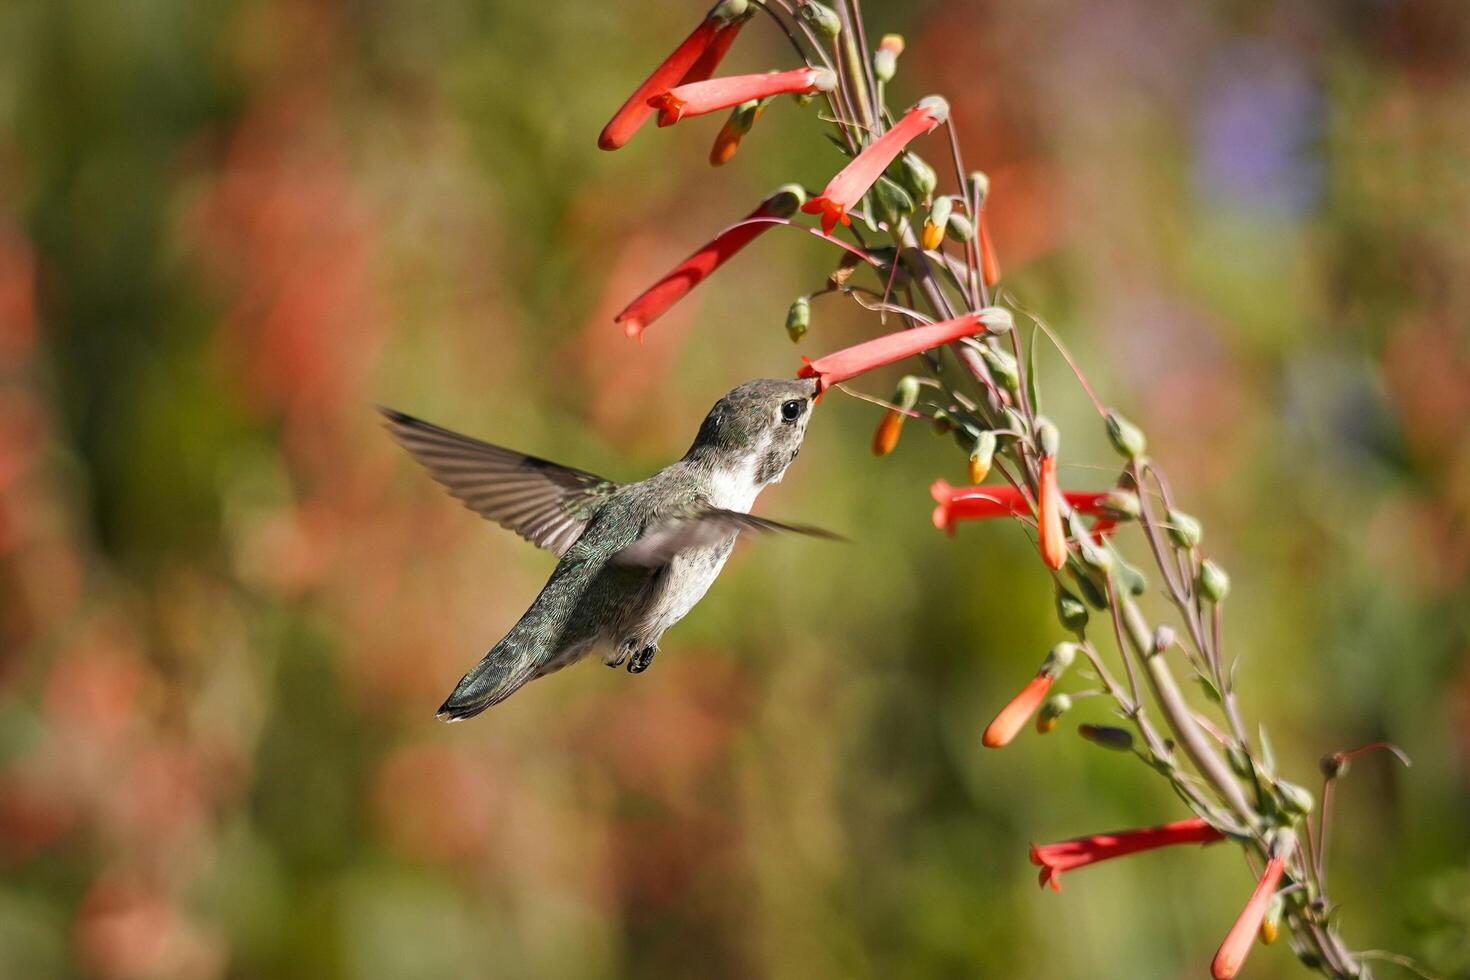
(17, 298)
(35, 811)
(1428, 371)
(127, 929)
(436, 803)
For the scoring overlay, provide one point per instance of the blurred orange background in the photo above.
(229, 605)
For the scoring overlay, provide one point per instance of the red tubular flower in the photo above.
(1237, 945)
(699, 52)
(656, 299)
(1052, 538)
(714, 54)
(838, 367)
(1079, 852)
(698, 98)
(1013, 716)
(852, 181)
(989, 264)
(981, 503)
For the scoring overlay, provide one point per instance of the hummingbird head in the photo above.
(757, 428)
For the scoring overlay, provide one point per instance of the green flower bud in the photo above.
(1048, 439)
(1294, 799)
(1090, 590)
(979, 187)
(959, 229)
(1126, 437)
(891, 201)
(917, 176)
(1214, 584)
(1003, 366)
(1185, 531)
(820, 18)
(798, 319)
(1121, 505)
(906, 393)
(1058, 660)
(1071, 611)
(997, 319)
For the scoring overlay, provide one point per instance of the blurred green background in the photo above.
(229, 605)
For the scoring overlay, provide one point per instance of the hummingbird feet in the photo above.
(640, 660)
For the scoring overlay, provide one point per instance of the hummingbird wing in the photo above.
(703, 528)
(544, 502)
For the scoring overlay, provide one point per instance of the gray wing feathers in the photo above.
(544, 502)
(703, 529)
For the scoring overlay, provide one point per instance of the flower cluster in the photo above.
(923, 258)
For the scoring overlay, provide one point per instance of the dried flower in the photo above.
(1237, 945)
(1079, 852)
(850, 184)
(658, 298)
(1013, 717)
(842, 365)
(677, 68)
(716, 94)
(1107, 736)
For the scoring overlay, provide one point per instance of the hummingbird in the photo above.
(634, 557)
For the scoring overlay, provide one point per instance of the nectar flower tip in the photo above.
(1013, 717)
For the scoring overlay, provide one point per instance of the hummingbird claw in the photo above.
(640, 661)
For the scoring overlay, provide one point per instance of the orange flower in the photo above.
(885, 439)
(1079, 852)
(727, 140)
(1013, 717)
(852, 181)
(1237, 945)
(1052, 538)
(989, 264)
(693, 60)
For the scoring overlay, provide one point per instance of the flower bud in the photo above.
(1093, 555)
(1334, 764)
(1163, 638)
(1240, 761)
(1117, 739)
(1059, 659)
(727, 140)
(885, 59)
(943, 424)
(917, 176)
(997, 319)
(798, 318)
(820, 18)
(1003, 366)
(1185, 531)
(981, 457)
(1127, 573)
(1271, 924)
(1121, 505)
(1090, 590)
(960, 229)
(1126, 437)
(1051, 712)
(1071, 611)
(1294, 799)
(979, 187)
(891, 201)
(936, 222)
(1048, 439)
(1214, 584)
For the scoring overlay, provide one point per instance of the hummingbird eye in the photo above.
(791, 411)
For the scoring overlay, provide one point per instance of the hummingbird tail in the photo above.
(496, 677)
